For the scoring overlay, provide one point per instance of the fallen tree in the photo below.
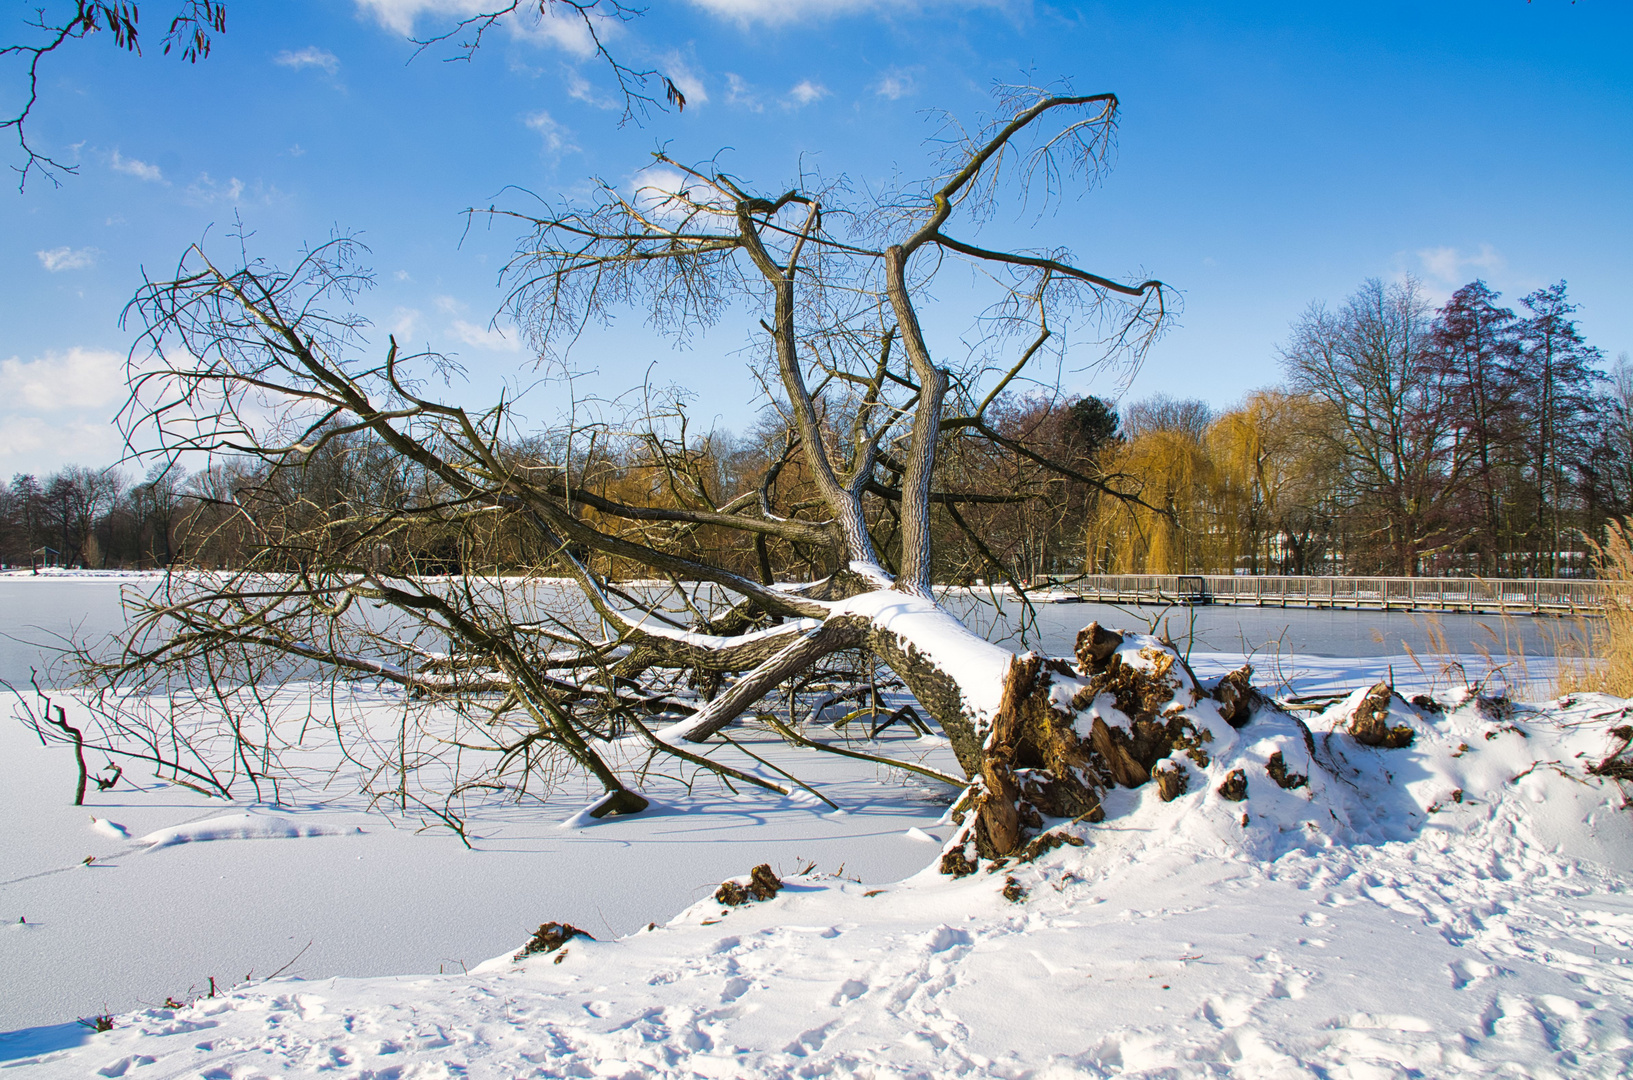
(362, 491)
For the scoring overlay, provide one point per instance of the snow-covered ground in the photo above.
(1458, 908)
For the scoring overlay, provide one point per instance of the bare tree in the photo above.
(1372, 360)
(53, 26)
(270, 365)
(193, 28)
(1189, 416)
(465, 37)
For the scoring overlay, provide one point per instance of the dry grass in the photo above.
(1610, 671)
(1505, 670)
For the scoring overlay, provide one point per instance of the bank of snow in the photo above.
(1458, 908)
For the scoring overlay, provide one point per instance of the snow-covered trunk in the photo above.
(955, 674)
(1042, 740)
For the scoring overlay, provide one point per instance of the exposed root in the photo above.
(956, 862)
(548, 938)
(1044, 843)
(1370, 724)
(1042, 760)
(1172, 780)
(1277, 768)
(1234, 788)
(1094, 646)
(1236, 695)
(762, 885)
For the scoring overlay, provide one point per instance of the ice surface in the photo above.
(1459, 908)
(138, 924)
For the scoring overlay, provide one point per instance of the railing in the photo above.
(1559, 596)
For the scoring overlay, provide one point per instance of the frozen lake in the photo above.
(381, 897)
(35, 612)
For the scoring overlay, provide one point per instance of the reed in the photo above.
(1606, 664)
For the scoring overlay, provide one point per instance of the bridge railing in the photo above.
(1555, 595)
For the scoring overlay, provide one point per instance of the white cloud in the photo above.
(895, 86)
(580, 89)
(206, 190)
(741, 94)
(557, 139)
(76, 379)
(482, 337)
(688, 81)
(806, 92)
(788, 11)
(66, 258)
(311, 56)
(139, 169)
(405, 321)
(401, 15)
(565, 30)
(1450, 265)
(479, 337)
(34, 444)
(24, 435)
(655, 190)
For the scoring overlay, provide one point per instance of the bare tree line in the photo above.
(101, 519)
(1466, 440)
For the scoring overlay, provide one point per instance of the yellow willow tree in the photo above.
(1236, 495)
(1257, 455)
(1170, 529)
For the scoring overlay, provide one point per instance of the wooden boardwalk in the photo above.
(1496, 596)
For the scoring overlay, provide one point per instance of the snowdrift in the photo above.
(258, 826)
(1387, 888)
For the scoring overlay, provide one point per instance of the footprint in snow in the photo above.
(944, 937)
(1465, 972)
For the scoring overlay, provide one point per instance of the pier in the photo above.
(1495, 596)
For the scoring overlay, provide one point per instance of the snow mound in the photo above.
(1455, 901)
(111, 829)
(241, 827)
(1266, 783)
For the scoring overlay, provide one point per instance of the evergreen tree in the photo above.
(1559, 379)
(1477, 345)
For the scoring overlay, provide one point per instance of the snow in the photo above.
(249, 826)
(649, 624)
(62, 573)
(136, 924)
(979, 665)
(111, 829)
(1462, 907)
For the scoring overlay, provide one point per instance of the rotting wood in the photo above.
(1370, 724)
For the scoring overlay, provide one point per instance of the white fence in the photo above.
(1558, 596)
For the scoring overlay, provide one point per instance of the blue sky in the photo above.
(1269, 155)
